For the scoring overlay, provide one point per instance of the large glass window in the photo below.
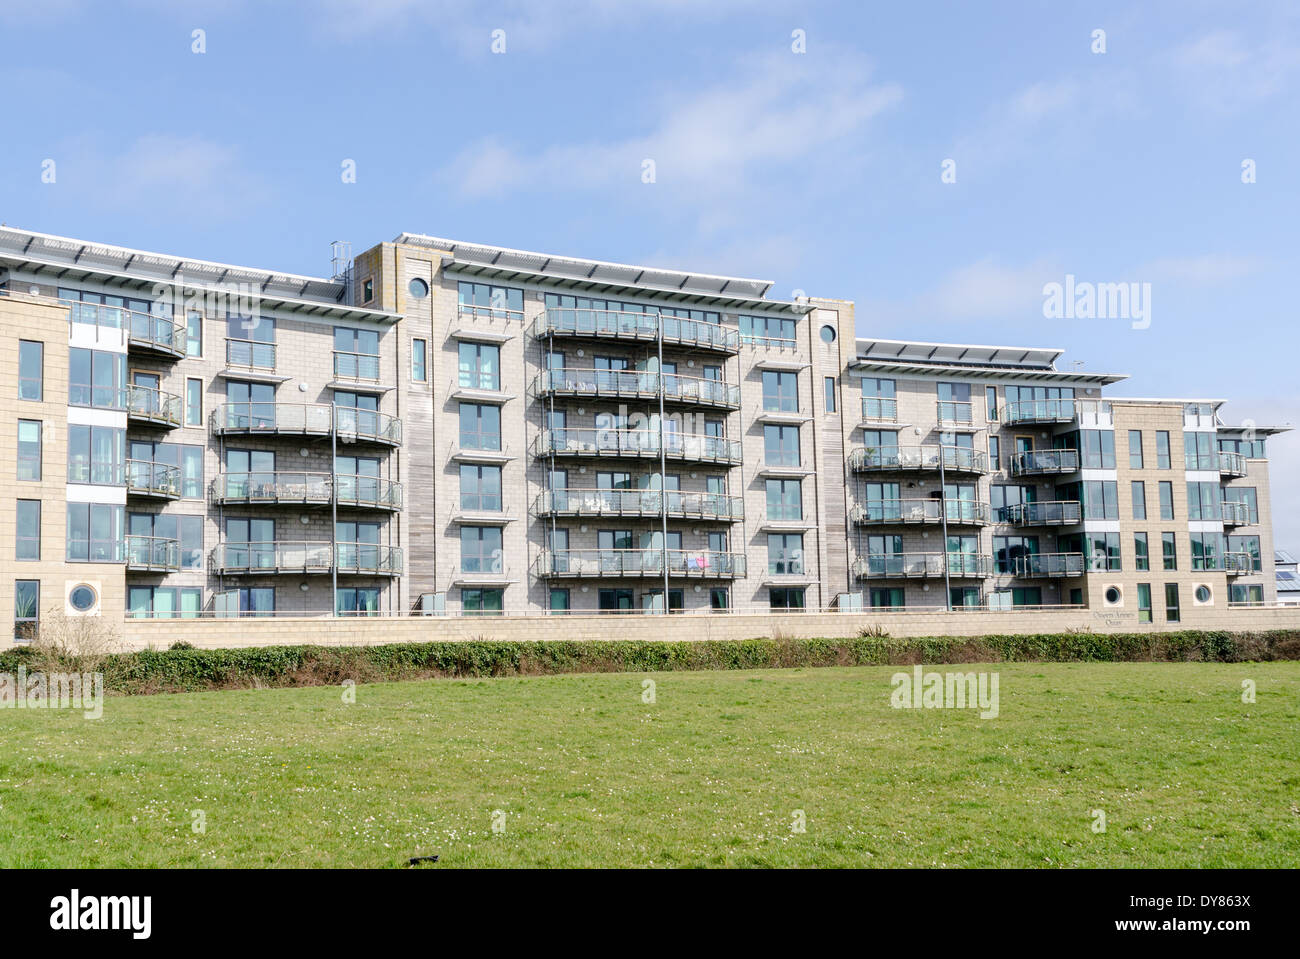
(27, 537)
(1203, 501)
(482, 299)
(356, 353)
(96, 379)
(419, 360)
(1166, 499)
(357, 601)
(482, 602)
(194, 334)
(784, 499)
(1162, 450)
(164, 602)
(27, 609)
(480, 549)
(1139, 493)
(1206, 550)
(1141, 553)
(1247, 495)
(786, 597)
(780, 445)
(780, 391)
(29, 449)
(777, 329)
(785, 554)
(96, 455)
(480, 426)
(479, 365)
(1248, 545)
(193, 402)
(31, 370)
(95, 533)
(1199, 451)
(1135, 449)
(480, 487)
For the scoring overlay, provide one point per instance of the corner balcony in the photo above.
(156, 336)
(907, 459)
(255, 559)
(1047, 565)
(306, 419)
(1238, 564)
(150, 407)
(636, 327)
(1047, 513)
(640, 503)
(305, 489)
(637, 385)
(1044, 462)
(1231, 464)
(153, 480)
(921, 566)
(1236, 514)
(152, 554)
(640, 564)
(907, 512)
(637, 444)
(1036, 412)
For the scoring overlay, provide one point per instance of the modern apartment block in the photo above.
(453, 428)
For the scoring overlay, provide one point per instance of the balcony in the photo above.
(253, 559)
(152, 335)
(1049, 513)
(955, 413)
(642, 327)
(306, 419)
(921, 566)
(152, 554)
(879, 409)
(151, 407)
(1047, 565)
(1231, 464)
(1236, 514)
(156, 480)
(957, 459)
(638, 444)
(638, 385)
(251, 355)
(358, 367)
(1028, 412)
(1044, 462)
(644, 503)
(640, 563)
(308, 489)
(906, 512)
(1239, 564)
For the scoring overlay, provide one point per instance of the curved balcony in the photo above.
(644, 503)
(642, 327)
(637, 444)
(152, 554)
(906, 512)
(1044, 462)
(640, 563)
(255, 559)
(957, 459)
(921, 566)
(152, 407)
(1047, 565)
(1238, 564)
(1037, 411)
(1235, 513)
(296, 488)
(154, 335)
(637, 385)
(1047, 513)
(306, 419)
(1231, 464)
(156, 480)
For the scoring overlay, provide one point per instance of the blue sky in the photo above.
(819, 171)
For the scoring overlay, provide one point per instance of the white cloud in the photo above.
(1222, 69)
(1208, 269)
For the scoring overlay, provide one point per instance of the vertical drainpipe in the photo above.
(663, 464)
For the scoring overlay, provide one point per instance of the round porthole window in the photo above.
(1202, 594)
(419, 289)
(1113, 595)
(828, 334)
(82, 598)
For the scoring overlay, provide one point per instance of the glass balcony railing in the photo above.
(356, 366)
(1038, 411)
(882, 409)
(1045, 565)
(250, 355)
(584, 441)
(1036, 462)
(146, 478)
(153, 406)
(304, 557)
(959, 459)
(1235, 513)
(367, 491)
(152, 553)
(615, 324)
(682, 563)
(904, 511)
(1046, 513)
(307, 419)
(640, 502)
(637, 384)
(955, 411)
(1232, 464)
(144, 331)
(921, 565)
(279, 486)
(1238, 564)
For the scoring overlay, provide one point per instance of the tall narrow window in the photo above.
(1162, 449)
(1171, 603)
(419, 361)
(29, 449)
(1139, 490)
(1166, 499)
(193, 402)
(1141, 558)
(1144, 602)
(27, 609)
(1135, 449)
(1169, 550)
(31, 370)
(194, 334)
(830, 394)
(27, 539)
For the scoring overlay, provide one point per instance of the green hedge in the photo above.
(183, 668)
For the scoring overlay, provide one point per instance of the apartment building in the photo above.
(450, 428)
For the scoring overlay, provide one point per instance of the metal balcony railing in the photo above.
(146, 404)
(616, 324)
(1037, 462)
(307, 419)
(1232, 464)
(637, 384)
(1047, 513)
(304, 557)
(640, 502)
(957, 412)
(959, 459)
(152, 553)
(144, 331)
(363, 367)
(1237, 564)
(250, 355)
(921, 565)
(1047, 565)
(288, 487)
(1236, 513)
(584, 441)
(882, 409)
(682, 563)
(889, 512)
(146, 478)
(1038, 411)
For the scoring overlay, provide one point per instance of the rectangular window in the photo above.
(829, 383)
(27, 609)
(991, 403)
(1207, 550)
(190, 532)
(1166, 499)
(31, 370)
(785, 554)
(482, 602)
(480, 426)
(489, 302)
(419, 361)
(96, 455)
(1169, 550)
(1248, 545)
(480, 549)
(784, 499)
(785, 597)
(94, 533)
(27, 538)
(719, 598)
(1162, 449)
(479, 366)
(995, 452)
(1139, 490)
(29, 449)
(1249, 594)
(194, 334)
(780, 445)
(1141, 556)
(780, 392)
(1171, 603)
(480, 487)
(1144, 602)
(1199, 452)
(1247, 495)
(779, 330)
(893, 597)
(96, 379)
(559, 601)
(193, 402)
(1135, 449)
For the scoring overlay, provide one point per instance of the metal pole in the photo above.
(334, 505)
(943, 513)
(663, 463)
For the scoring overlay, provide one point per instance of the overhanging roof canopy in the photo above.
(997, 362)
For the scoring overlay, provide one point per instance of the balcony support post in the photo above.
(943, 506)
(663, 461)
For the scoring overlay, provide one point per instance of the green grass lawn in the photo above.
(711, 774)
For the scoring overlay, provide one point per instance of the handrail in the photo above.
(250, 354)
(1059, 410)
(921, 510)
(356, 366)
(639, 502)
(306, 418)
(301, 556)
(153, 404)
(575, 321)
(881, 408)
(1048, 564)
(1063, 512)
(274, 486)
(152, 552)
(150, 477)
(705, 564)
(888, 565)
(1045, 461)
(926, 457)
(955, 411)
(624, 442)
(636, 383)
